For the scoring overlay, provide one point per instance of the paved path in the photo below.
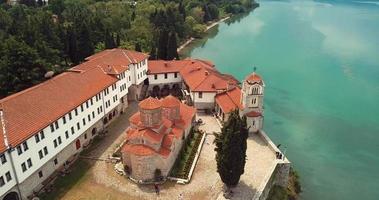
(102, 182)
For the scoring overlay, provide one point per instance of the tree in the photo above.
(172, 47)
(231, 149)
(138, 47)
(162, 45)
(20, 67)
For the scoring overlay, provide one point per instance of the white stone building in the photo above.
(44, 127)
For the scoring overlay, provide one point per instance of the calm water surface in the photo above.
(320, 63)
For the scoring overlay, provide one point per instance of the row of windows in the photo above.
(43, 152)
(40, 136)
(115, 98)
(3, 159)
(166, 75)
(123, 87)
(22, 147)
(139, 65)
(26, 165)
(107, 104)
(7, 176)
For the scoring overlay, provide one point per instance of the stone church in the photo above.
(155, 136)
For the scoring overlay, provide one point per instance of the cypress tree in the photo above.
(172, 47)
(231, 149)
(138, 47)
(162, 44)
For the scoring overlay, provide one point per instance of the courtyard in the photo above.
(93, 178)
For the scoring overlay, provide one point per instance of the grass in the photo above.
(186, 157)
(64, 184)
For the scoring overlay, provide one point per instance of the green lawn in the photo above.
(63, 184)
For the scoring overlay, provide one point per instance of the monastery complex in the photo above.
(43, 128)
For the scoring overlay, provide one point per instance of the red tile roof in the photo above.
(112, 61)
(254, 78)
(29, 111)
(170, 101)
(230, 100)
(162, 134)
(138, 149)
(199, 75)
(253, 114)
(150, 103)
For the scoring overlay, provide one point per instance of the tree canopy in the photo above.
(63, 33)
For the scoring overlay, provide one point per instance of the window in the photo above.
(37, 138)
(45, 151)
(40, 154)
(91, 102)
(59, 140)
(200, 95)
(23, 167)
(129, 78)
(3, 159)
(66, 133)
(56, 161)
(19, 150)
(42, 135)
(93, 114)
(87, 104)
(25, 145)
(165, 75)
(55, 143)
(138, 76)
(69, 116)
(81, 108)
(40, 174)
(52, 129)
(2, 182)
(30, 164)
(155, 76)
(89, 118)
(176, 75)
(78, 125)
(76, 112)
(56, 125)
(8, 176)
(85, 136)
(64, 119)
(72, 130)
(84, 121)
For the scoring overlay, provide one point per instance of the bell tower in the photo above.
(252, 101)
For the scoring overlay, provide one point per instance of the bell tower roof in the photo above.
(254, 78)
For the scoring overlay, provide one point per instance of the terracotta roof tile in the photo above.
(229, 100)
(150, 103)
(31, 110)
(253, 114)
(254, 78)
(138, 149)
(170, 101)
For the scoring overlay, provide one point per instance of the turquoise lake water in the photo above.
(320, 63)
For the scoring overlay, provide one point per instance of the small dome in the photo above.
(150, 104)
(254, 78)
(170, 101)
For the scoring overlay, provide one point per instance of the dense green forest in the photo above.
(36, 38)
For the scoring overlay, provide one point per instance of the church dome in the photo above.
(170, 101)
(150, 104)
(254, 78)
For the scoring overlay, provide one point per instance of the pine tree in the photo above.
(172, 47)
(153, 52)
(231, 149)
(138, 47)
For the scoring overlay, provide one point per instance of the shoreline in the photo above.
(190, 40)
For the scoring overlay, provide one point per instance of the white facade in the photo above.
(203, 100)
(165, 78)
(44, 153)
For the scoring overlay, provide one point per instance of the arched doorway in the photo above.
(77, 144)
(11, 196)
